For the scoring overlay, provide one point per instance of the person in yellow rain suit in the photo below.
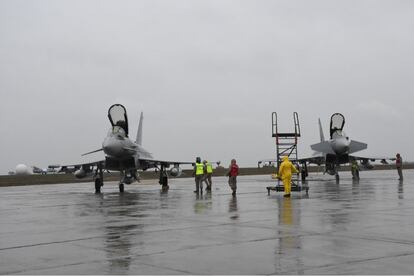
(285, 173)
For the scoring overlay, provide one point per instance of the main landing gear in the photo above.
(337, 173)
(98, 185)
(163, 178)
(98, 179)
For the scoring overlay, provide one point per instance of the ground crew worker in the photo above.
(398, 164)
(232, 174)
(304, 171)
(198, 173)
(285, 172)
(208, 172)
(355, 170)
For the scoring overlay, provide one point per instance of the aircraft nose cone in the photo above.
(341, 147)
(112, 148)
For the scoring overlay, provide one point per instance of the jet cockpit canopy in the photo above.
(337, 124)
(118, 117)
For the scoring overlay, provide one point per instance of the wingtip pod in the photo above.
(139, 132)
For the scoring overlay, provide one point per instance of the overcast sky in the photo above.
(206, 74)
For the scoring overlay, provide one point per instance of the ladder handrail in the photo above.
(274, 124)
(296, 121)
(287, 146)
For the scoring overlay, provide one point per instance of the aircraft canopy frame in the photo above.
(118, 117)
(337, 123)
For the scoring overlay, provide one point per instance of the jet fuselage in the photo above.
(340, 144)
(117, 146)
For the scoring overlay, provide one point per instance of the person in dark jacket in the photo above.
(398, 164)
(232, 173)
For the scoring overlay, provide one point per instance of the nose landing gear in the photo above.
(128, 177)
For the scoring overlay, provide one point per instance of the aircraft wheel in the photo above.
(121, 187)
(303, 175)
(164, 180)
(98, 185)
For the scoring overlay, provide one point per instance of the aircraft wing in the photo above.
(153, 163)
(355, 146)
(71, 168)
(318, 160)
(145, 163)
(167, 163)
(323, 146)
(363, 159)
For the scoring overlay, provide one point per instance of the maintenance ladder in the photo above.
(286, 145)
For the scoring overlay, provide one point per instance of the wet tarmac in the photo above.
(364, 227)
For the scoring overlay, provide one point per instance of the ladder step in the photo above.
(284, 135)
(286, 144)
(287, 137)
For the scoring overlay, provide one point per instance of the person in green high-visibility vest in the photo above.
(198, 174)
(355, 170)
(208, 172)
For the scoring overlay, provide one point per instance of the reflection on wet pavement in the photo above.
(350, 227)
(233, 208)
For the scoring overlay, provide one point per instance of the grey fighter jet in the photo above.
(338, 149)
(125, 155)
(334, 152)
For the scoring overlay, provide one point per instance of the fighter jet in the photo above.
(125, 155)
(334, 152)
(338, 149)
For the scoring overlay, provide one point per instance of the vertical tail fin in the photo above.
(139, 132)
(321, 131)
